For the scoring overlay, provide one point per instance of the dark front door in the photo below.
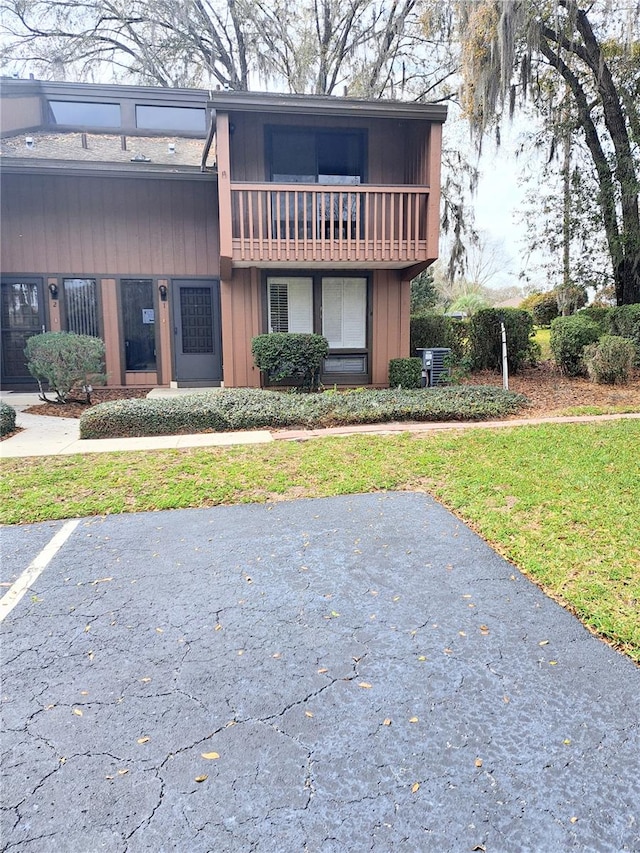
(197, 332)
(22, 317)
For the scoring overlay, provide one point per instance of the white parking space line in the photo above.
(35, 568)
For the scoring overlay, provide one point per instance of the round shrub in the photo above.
(7, 419)
(624, 320)
(405, 373)
(485, 340)
(599, 314)
(610, 361)
(569, 337)
(542, 306)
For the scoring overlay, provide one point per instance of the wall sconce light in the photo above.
(163, 292)
(53, 290)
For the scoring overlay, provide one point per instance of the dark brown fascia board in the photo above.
(17, 166)
(265, 102)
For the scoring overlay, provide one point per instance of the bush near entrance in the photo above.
(65, 362)
(285, 355)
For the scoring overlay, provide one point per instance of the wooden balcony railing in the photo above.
(278, 223)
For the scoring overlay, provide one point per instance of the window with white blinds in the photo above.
(344, 312)
(290, 304)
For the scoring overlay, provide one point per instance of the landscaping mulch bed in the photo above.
(549, 392)
(552, 394)
(76, 409)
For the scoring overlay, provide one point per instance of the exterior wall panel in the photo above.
(391, 298)
(108, 226)
(20, 114)
(241, 321)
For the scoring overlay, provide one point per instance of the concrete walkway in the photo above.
(47, 436)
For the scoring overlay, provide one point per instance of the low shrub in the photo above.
(7, 419)
(624, 320)
(65, 362)
(285, 355)
(252, 408)
(485, 340)
(610, 361)
(405, 372)
(569, 337)
(436, 330)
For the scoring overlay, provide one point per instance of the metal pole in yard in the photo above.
(505, 365)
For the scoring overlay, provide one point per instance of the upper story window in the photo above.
(316, 156)
(186, 119)
(85, 113)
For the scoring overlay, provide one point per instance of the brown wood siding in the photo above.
(110, 311)
(391, 298)
(165, 337)
(108, 226)
(54, 306)
(241, 321)
(144, 378)
(386, 144)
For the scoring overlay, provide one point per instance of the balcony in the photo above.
(277, 224)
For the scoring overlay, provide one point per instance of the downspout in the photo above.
(209, 141)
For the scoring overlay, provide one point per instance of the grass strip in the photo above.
(561, 501)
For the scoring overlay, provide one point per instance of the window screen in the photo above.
(81, 306)
(344, 312)
(290, 304)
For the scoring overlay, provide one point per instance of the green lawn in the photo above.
(543, 337)
(560, 501)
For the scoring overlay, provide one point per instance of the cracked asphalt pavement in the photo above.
(369, 673)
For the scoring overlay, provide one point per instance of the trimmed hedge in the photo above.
(7, 419)
(405, 372)
(251, 408)
(569, 337)
(284, 355)
(624, 320)
(485, 339)
(610, 361)
(436, 330)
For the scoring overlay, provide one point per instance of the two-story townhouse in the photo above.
(179, 224)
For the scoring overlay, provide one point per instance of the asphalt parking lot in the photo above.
(346, 674)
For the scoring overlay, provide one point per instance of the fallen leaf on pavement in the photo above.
(77, 712)
(365, 684)
(202, 778)
(210, 756)
(478, 762)
(415, 787)
(143, 739)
